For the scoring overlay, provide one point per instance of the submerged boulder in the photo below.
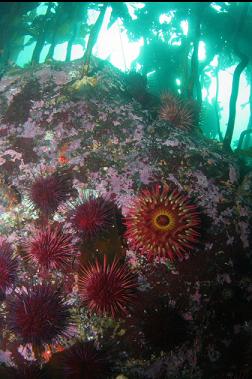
(114, 146)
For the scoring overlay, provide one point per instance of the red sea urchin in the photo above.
(162, 223)
(84, 360)
(156, 324)
(47, 192)
(178, 113)
(26, 371)
(52, 248)
(93, 216)
(38, 314)
(107, 289)
(8, 266)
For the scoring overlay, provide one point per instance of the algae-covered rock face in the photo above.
(113, 146)
(51, 121)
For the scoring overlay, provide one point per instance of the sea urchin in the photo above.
(84, 360)
(156, 324)
(47, 192)
(8, 266)
(52, 248)
(38, 314)
(26, 371)
(93, 216)
(162, 223)
(178, 113)
(107, 289)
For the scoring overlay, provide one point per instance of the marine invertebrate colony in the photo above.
(38, 314)
(84, 360)
(52, 248)
(8, 266)
(162, 223)
(93, 216)
(47, 192)
(107, 289)
(178, 113)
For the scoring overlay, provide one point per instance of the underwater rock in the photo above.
(115, 147)
(112, 130)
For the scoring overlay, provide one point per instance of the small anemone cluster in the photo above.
(162, 223)
(178, 112)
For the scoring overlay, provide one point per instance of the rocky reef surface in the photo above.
(115, 146)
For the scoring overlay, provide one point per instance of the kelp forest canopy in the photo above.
(171, 34)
